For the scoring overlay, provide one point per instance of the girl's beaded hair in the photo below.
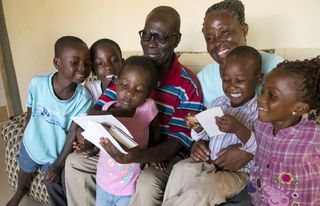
(308, 72)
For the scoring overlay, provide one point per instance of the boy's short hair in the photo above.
(249, 53)
(105, 41)
(65, 41)
(146, 64)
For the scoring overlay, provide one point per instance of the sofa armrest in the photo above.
(14, 127)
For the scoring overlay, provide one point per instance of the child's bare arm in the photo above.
(29, 112)
(95, 110)
(54, 172)
(227, 123)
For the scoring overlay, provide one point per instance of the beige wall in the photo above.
(34, 25)
(3, 101)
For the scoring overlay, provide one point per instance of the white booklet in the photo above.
(208, 122)
(116, 132)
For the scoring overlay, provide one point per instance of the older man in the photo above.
(177, 94)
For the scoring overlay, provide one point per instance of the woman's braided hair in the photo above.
(308, 72)
(234, 7)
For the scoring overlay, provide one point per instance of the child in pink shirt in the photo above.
(115, 181)
(287, 159)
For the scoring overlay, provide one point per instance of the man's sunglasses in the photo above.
(158, 37)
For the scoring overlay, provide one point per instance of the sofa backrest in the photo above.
(197, 60)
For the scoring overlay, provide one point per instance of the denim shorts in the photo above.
(27, 164)
(104, 198)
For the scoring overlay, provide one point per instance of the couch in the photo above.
(12, 130)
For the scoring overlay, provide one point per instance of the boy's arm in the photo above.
(227, 123)
(29, 112)
(53, 173)
(243, 133)
(236, 156)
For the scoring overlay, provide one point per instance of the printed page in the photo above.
(208, 122)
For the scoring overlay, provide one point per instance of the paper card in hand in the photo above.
(95, 131)
(117, 132)
(208, 122)
(82, 121)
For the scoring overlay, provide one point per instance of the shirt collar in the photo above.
(173, 73)
(290, 131)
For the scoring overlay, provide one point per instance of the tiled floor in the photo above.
(5, 190)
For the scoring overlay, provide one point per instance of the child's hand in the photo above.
(192, 123)
(232, 158)
(83, 145)
(115, 153)
(53, 174)
(227, 123)
(200, 151)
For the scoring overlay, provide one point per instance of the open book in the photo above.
(112, 129)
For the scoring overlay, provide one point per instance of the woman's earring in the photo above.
(294, 113)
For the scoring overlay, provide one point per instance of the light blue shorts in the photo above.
(104, 198)
(27, 164)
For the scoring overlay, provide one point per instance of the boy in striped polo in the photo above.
(202, 182)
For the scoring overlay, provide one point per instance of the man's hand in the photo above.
(200, 151)
(232, 158)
